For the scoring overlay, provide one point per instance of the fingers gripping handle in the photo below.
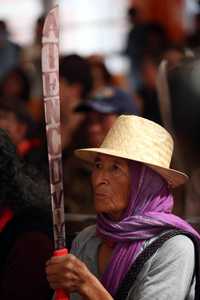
(60, 295)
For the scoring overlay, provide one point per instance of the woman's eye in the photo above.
(115, 167)
(97, 165)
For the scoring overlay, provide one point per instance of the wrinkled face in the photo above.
(98, 125)
(111, 182)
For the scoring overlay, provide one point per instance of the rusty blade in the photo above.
(50, 77)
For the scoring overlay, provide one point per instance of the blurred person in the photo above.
(172, 57)
(103, 109)
(144, 38)
(31, 60)
(134, 40)
(9, 51)
(148, 91)
(138, 249)
(75, 86)
(25, 228)
(156, 39)
(17, 121)
(100, 73)
(103, 78)
(193, 39)
(184, 91)
(16, 84)
(31, 63)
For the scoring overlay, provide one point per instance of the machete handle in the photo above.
(59, 294)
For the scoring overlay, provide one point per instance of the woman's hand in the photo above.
(72, 275)
(68, 273)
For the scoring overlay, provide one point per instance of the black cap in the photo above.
(109, 100)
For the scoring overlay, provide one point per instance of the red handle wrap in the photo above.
(60, 252)
(60, 295)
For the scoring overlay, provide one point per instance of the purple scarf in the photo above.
(147, 215)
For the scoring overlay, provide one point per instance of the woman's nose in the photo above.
(102, 176)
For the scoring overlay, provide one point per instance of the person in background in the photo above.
(9, 51)
(76, 84)
(16, 84)
(144, 38)
(183, 81)
(134, 43)
(193, 39)
(31, 60)
(31, 64)
(103, 109)
(148, 91)
(138, 249)
(17, 121)
(100, 73)
(25, 228)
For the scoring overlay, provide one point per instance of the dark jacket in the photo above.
(26, 245)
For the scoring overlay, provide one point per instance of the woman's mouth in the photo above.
(101, 195)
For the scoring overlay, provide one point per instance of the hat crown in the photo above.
(140, 139)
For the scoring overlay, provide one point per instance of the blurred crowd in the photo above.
(92, 98)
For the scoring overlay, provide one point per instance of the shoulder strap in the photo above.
(131, 275)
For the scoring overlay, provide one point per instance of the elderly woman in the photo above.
(138, 249)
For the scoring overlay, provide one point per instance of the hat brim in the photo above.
(97, 106)
(173, 177)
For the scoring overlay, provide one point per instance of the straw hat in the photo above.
(141, 140)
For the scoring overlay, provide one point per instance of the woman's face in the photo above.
(111, 183)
